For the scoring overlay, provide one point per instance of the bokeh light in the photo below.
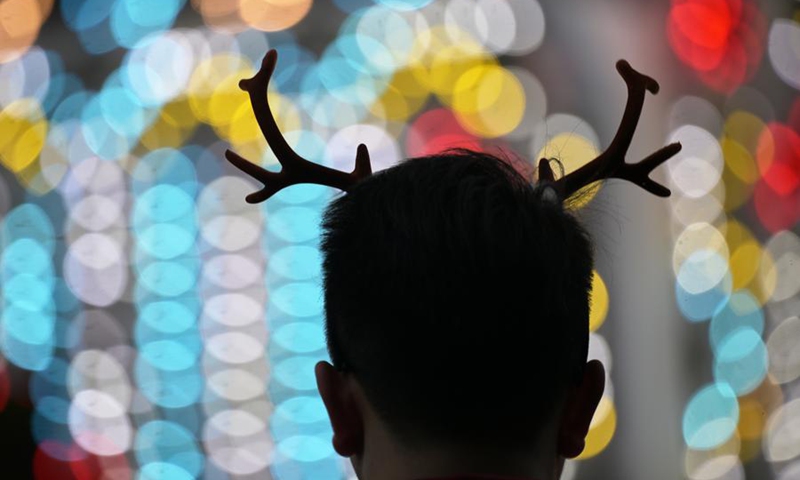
(162, 328)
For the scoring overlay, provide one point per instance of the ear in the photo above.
(579, 409)
(343, 410)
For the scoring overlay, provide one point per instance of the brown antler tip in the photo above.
(628, 73)
(267, 67)
(545, 172)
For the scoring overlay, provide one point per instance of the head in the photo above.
(457, 309)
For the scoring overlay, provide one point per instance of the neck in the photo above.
(383, 458)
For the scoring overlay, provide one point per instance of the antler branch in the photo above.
(295, 169)
(611, 163)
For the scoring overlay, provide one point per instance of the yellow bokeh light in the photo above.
(488, 101)
(739, 174)
(599, 302)
(174, 125)
(573, 151)
(744, 128)
(24, 130)
(214, 78)
(698, 237)
(404, 95)
(601, 430)
(440, 57)
(751, 266)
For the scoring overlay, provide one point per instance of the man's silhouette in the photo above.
(457, 307)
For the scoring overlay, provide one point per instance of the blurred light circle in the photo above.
(488, 101)
(437, 130)
(390, 28)
(495, 24)
(236, 385)
(710, 417)
(525, 39)
(28, 292)
(163, 203)
(169, 389)
(784, 356)
(96, 212)
(20, 21)
(698, 166)
(232, 271)
(166, 317)
(535, 107)
(688, 210)
(99, 424)
(702, 271)
(29, 221)
(302, 337)
(237, 442)
(295, 224)
(95, 269)
(740, 311)
(234, 348)
(24, 129)
(784, 55)
(223, 197)
(698, 237)
(778, 158)
(701, 306)
(166, 241)
(723, 467)
(168, 278)
(170, 443)
(231, 233)
(301, 410)
(781, 442)
(296, 372)
(33, 72)
(784, 247)
(712, 463)
(405, 4)
(273, 15)
(168, 355)
(165, 167)
(740, 173)
(697, 111)
(213, 75)
(776, 212)
(158, 68)
(383, 150)
(296, 262)
(25, 255)
(601, 429)
(94, 175)
(163, 471)
(97, 370)
(299, 299)
(305, 448)
(741, 360)
(598, 302)
(233, 309)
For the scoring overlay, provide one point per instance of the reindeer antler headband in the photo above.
(296, 169)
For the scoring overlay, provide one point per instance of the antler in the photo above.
(611, 163)
(295, 169)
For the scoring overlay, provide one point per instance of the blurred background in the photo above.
(153, 325)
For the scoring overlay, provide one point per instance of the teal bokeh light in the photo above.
(710, 417)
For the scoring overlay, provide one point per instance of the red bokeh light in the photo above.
(722, 40)
(437, 130)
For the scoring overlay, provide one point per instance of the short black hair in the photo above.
(451, 259)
